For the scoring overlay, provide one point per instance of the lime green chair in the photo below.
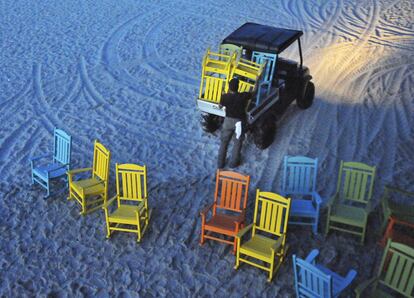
(272, 220)
(229, 49)
(349, 208)
(395, 277)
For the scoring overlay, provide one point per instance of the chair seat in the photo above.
(222, 223)
(259, 247)
(126, 213)
(346, 214)
(91, 186)
(304, 208)
(41, 171)
(338, 282)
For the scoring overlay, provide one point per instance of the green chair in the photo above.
(349, 208)
(229, 49)
(395, 276)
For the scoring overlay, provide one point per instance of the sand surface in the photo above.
(127, 73)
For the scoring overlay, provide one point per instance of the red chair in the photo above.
(397, 218)
(227, 210)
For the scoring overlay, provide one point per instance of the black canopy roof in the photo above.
(263, 38)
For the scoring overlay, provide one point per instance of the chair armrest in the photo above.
(312, 256)
(368, 208)
(332, 200)
(244, 231)
(350, 276)
(140, 208)
(206, 209)
(361, 287)
(39, 157)
(278, 243)
(108, 203)
(396, 189)
(240, 218)
(316, 198)
(77, 171)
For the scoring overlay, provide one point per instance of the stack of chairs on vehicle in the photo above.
(219, 68)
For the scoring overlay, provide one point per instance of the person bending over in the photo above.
(234, 123)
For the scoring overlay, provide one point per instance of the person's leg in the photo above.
(226, 134)
(236, 153)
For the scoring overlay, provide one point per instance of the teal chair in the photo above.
(299, 183)
(48, 167)
(265, 84)
(314, 280)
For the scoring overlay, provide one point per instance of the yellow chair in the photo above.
(215, 75)
(272, 220)
(248, 72)
(92, 192)
(132, 201)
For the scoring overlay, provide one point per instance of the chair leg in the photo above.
(108, 228)
(83, 212)
(237, 255)
(271, 270)
(234, 245)
(48, 189)
(138, 228)
(363, 235)
(315, 228)
(202, 233)
(327, 226)
(70, 193)
(388, 232)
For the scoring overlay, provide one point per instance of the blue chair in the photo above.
(299, 183)
(55, 167)
(313, 280)
(266, 82)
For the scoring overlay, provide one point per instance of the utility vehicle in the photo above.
(252, 54)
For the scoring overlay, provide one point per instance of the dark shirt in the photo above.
(236, 104)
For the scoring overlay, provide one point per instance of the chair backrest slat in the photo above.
(231, 191)
(213, 89)
(299, 175)
(274, 213)
(101, 159)
(397, 268)
(310, 281)
(356, 181)
(62, 147)
(133, 179)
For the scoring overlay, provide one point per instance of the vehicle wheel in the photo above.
(264, 133)
(307, 99)
(210, 123)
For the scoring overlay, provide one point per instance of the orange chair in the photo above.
(228, 209)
